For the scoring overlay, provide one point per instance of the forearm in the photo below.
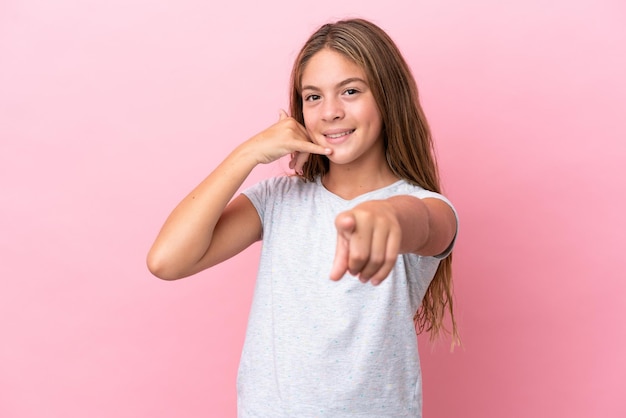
(187, 232)
(413, 218)
(428, 225)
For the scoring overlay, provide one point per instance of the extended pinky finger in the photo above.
(292, 161)
(299, 161)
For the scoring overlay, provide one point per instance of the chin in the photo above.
(340, 160)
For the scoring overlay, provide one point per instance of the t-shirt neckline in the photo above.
(318, 181)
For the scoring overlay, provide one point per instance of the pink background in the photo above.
(111, 110)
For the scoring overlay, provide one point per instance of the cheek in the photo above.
(312, 137)
(309, 122)
(308, 117)
(377, 121)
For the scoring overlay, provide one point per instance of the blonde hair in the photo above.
(407, 139)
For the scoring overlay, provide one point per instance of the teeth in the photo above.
(340, 134)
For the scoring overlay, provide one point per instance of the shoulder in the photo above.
(280, 188)
(278, 184)
(288, 199)
(403, 187)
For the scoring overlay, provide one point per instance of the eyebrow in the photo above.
(341, 84)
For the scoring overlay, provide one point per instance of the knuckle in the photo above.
(358, 257)
(377, 260)
(364, 215)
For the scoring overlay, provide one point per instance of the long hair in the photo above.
(407, 139)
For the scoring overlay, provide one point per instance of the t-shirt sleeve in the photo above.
(259, 196)
(426, 194)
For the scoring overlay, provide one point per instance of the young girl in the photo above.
(355, 245)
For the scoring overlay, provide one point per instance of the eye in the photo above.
(311, 97)
(350, 92)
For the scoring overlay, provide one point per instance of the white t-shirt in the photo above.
(320, 348)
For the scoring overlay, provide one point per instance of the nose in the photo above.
(332, 109)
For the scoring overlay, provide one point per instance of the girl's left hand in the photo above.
(368, 242)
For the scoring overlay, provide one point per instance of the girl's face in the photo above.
(339, 109)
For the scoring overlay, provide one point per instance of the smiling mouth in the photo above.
(339, 135)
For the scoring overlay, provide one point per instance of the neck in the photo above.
(348, 181)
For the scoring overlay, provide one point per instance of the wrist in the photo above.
(245, 154)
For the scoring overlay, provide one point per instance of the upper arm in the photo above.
(442, 227)
(239, 227)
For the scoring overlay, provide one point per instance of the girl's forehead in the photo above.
(330, 67)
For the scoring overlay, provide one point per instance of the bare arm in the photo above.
(182, 246)
(205, 229)
(430, 224)
(371, 235)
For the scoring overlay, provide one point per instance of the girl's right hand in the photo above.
(208, 226)
(286, 136)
